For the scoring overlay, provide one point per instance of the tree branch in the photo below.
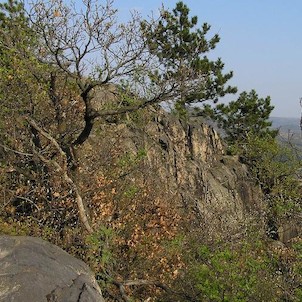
(63, 168)
(15, 151)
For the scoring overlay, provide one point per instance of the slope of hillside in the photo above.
(175, 218)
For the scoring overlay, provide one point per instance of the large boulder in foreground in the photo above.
(34, 270)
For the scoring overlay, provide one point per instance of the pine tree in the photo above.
(181, 47)
(248, 115)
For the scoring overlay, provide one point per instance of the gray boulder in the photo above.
(34, 270)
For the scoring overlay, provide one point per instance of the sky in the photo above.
(261, 42)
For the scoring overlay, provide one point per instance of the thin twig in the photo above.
(28, 200)
(15, 151)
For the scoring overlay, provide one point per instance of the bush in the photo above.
(244, 273)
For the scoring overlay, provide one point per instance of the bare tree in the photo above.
(89, 46)
(78, 49)
(81, 48)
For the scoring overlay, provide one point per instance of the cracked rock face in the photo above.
(34, 270)
(185, 162)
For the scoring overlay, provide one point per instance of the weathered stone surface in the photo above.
(185, 162)
(34, 270)
(288, 231)
(196, 167)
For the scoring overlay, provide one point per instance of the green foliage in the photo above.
(13, 229)
(176, 244)
(100, 254)
(12, 17)
(238, 274)
(298, 266)
(131, 191)
(248, 132)
(19, 68)
(245, 117)
(181, 47)
(245, 270)
(100, 248)
(130, 160)
(274, 167)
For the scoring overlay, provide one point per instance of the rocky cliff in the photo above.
(179, 161)
(159, 191)
(157, 181)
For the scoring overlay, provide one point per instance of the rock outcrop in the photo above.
(183, 161)
(215, 186)
(33, 270)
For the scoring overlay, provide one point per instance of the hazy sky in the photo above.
(261, 41)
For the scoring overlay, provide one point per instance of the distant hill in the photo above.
(286, 123)
(289, 129)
